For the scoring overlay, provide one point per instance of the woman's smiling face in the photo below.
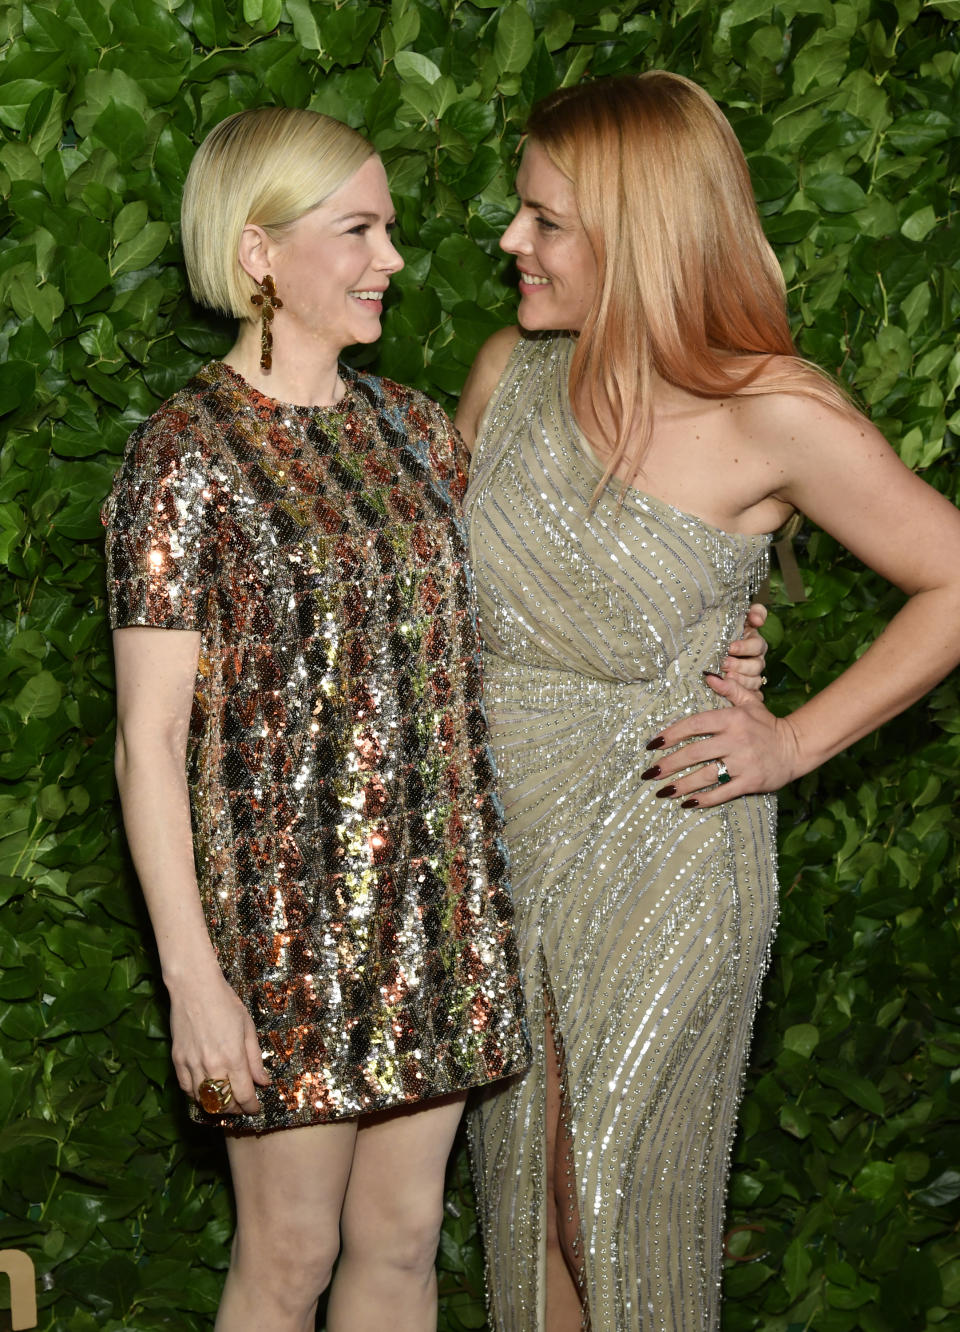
(333, 265)
(558, 271)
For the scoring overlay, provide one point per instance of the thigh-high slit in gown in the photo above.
(644, 928)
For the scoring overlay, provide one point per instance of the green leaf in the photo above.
(876, 1180)
(795, 1120)
(39, 697)
(559, 29)
(99, 341)
(513, 46)
(797, 1265)
(412, 65)
(121, 129)
(822, 62)
(857, 1089)
(919, 224)
(85, 274)
(17, 379)
(790, 227)
(130, 221)
(51, 803)
(403, 27)
(772, 178)
(835, 193)
(304, 24)
(944, 1190)
(13, 524)
(802, 1039)
(141, 250)
(864, 98)
(918, 131)
(174, 153)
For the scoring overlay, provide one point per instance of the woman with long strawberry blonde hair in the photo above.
(633, 449)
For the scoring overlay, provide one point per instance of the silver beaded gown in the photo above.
(644, 928)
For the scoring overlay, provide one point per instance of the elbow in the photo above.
(121, 756)
(147, 751)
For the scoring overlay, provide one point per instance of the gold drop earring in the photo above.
(268, 302)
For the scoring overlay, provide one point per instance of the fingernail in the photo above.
(667, 791)
(716, 674)
(658, 743)
(692, 803)
(650, 773)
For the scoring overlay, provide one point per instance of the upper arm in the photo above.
(156, 672)
(490, 363)
(842, 473)
(162, 521)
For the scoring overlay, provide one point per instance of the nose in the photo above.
(515, 239)
(390, 260)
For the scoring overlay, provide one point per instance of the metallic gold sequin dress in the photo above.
(643, 927)
(347, 832)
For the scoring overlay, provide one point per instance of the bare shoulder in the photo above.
(790, 422)
(489, 365)
(831, 461)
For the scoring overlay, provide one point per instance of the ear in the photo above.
(254, 251)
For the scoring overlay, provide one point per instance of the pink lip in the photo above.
(373, 307)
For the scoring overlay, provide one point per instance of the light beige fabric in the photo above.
(647, 924)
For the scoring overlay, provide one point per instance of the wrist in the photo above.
(802, 755)
(184, 974)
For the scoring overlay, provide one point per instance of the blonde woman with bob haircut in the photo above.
(633, 448)
(302, 750)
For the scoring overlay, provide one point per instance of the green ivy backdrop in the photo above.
(847, 1169)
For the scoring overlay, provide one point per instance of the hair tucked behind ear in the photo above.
(687, 282)
(269, 166)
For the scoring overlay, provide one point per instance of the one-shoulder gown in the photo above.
(644, 928)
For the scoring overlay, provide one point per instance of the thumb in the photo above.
(731, 691)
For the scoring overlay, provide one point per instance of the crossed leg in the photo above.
(378, 1181)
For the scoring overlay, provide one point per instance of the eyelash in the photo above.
(363, 227)
(546, 225)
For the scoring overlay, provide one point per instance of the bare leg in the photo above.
(565, 1311)
(391, 1221)
(289, 1188)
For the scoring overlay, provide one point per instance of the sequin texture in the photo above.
(347, 830)
(643, 928)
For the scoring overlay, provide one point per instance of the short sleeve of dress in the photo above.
(448, 453)
(160, 521)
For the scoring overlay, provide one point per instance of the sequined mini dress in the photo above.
(643, 927)
(347, 830)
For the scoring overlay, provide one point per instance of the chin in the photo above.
(368, 334)
(534, 320)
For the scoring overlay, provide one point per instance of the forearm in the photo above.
(917, 649)
(156, 817)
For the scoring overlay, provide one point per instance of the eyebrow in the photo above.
(540, 207)
(367, 217)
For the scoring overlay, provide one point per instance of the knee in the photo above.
(403, 1236)
(291, 1266)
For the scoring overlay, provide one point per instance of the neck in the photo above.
(305, 375)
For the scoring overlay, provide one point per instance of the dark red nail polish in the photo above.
(692, 803)
(667, 791)
(650, 773)
(658, 743)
